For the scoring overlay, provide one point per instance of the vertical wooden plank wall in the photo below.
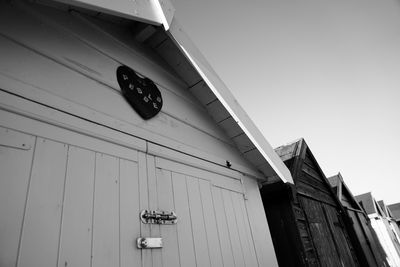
(76, 212)
(197, 218)
(42, 224)
(82, 208)
(213, 225)
(210, 224)
(129, 206)
(233, 229)
(170, 251)
(144, 204)
(14, 181)
(76, 231)
(155, 229)
(184, 227)
(225, 240)
(106, 212)
(259, 226)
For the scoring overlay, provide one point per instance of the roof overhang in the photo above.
(236, 123)
(155, 12)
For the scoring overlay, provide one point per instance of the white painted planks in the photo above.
(197, 218)
(223, 232)
(80, 57)
(105, 246)
(210, 224)
(144, 204)
(129, 206)
(170, 252)
(76, 214)
(213, 227)
(41, 229)
(184, 226)
(258, 224)
(76, 231)
(155, 230)
(15, 166)
(83, 207)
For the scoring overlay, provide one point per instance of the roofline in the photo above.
(155, 12)
(229, 102)
(220, 90)
(224, 95)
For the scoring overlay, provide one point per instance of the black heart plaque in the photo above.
(140, 92)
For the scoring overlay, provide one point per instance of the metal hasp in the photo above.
(158, 217)
(149, 242)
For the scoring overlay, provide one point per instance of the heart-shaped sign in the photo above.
(140, 92)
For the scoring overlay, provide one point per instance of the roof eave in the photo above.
(227, 99)
(155, 12)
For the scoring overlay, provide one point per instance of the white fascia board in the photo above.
(165, 12)
(228, 101)
(148, 11)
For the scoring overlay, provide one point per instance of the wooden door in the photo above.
(69, 200)
(328, 234)
(212, 228)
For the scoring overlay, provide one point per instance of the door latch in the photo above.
(158, 217)
(149, 242)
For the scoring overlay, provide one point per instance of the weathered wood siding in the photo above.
(288, 225)
(368, 240)
(311, 212)
(385, 239)
(360, 225)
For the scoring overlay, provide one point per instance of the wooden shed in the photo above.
(120, 146)
(382, 227)
(306, 219)
(360, 223)
(387, 212)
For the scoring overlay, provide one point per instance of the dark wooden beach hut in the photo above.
(361, 224)
(306, 220)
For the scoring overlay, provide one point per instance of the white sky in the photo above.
(328, 71)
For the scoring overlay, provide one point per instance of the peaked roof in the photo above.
(385, 209)
(290, 150)
(302, 163)
(338, 184)
(395, 209)
(183, 56)
(370, 205)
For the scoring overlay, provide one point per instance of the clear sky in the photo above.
(328, 71)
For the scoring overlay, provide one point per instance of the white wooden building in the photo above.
(384, 231)
(78, 164)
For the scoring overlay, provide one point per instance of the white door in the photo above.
(212, 228)
(67, 199)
